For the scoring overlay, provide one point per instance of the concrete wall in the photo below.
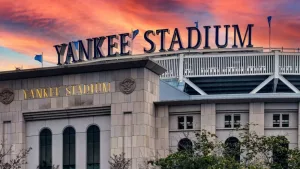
(57, 126)
(132, 123)
(212, 119)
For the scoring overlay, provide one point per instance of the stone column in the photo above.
(12, 125)
(162, 131)
(133, 116)
(208, 117)
(257, 117)
(299, 125)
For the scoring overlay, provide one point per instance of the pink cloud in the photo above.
(34, 26)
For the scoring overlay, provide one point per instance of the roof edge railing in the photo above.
(282, 49)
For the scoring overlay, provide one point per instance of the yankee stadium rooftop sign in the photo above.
(93, 48)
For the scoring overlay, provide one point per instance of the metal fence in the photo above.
(207, 65)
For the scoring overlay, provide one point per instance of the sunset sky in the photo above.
(30, 27)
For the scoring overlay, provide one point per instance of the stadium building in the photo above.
(77, 115)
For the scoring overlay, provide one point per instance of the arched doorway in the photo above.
(280, 152)
(232, 148)
(185, 144)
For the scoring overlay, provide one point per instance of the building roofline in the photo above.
(235, 98)
(100, 65)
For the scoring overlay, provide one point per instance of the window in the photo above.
(232, 148)
(185, 144)
(236, 123)
(185, 122)
(93, 147)
(181, 122)
(281, 120)
(285, 120)
(227, 121)
(189, 122)
(45, 149)
(237, 120)
(276, 120)
(69, 152)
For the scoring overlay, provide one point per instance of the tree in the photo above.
(16, 162)
(119, 162)
(251, 151)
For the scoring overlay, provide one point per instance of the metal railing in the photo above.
(289, 64)
(207, 65)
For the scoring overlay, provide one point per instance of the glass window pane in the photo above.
(189, 122)
(66, 139)
(276, 120)
(42, 141)
(90, 166)
(72, 154)
(66, 154)
(69, 136)
(285, 120)
(72, 138)
(96, 153)
(45, 148)
(42, 154)
(90, 137)
(97, 166)
(48, 140)
(96, 137)
(90, 153)
(227, 121)
(93, 147)
(49, 154)
(180, 122)
(237, 120)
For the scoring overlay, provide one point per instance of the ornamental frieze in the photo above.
(127, 86)
(6, 96)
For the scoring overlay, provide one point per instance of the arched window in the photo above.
(232, 148)
(45, 149)
(93, 147)
(69, 152)
(185, 144)
(280, 152)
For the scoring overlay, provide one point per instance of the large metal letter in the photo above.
(71, 54)
(98, 42)
(60, 50)
(174, 41)
(152, 44)
(162, 38)
(112, 45)
(217, 36)
(242, 42)
(206, 37)
(199, 38)
(123, 44)
(82, 50)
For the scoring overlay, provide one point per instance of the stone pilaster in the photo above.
(133, 117)
(208, 117)
(299, 125)
(162, 131)
(256, 117)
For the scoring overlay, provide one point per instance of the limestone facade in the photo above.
(138, 123)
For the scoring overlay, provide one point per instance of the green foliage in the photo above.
(186, 160)
(255, 152)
